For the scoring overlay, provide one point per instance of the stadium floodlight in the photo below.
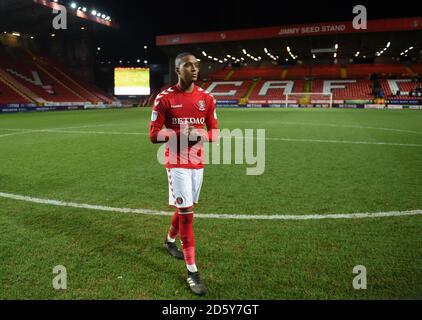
(388, 44)
(244, 51)
(138, 61)
(53, 35)
(84, 9)
(145, 61)
(17, 34)
(32, 37)
(336, 46)
(288, 48)
(204, 53)
(209, 57)
(314, 56)
(82, 28)
(120, 61)
(103, 16)
(221, 61)
(411, 48)
(99, 48)
(99, 14)
(335, 55)
(266, 50)
(73, 5)
(145, 47)
(94, 12)
(228, 56)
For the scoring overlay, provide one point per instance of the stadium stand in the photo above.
(345, 89)
(42, 80)
(399, 87)
(358, 71)
(275, 90)
(227, 90)
(8, 94)
(417, 68)
(351, 82)
(249, 73)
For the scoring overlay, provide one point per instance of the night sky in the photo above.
(142, 21)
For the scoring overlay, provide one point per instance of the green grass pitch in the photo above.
(105, 158)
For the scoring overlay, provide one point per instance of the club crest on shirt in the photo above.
(179, 200)
(201, 105)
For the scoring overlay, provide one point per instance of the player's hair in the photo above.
(180, 56)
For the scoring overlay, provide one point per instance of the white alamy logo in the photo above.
(249, 148)
(60, 21)
(60, 281)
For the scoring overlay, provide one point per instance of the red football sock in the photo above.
(174, 228)
(187, 237)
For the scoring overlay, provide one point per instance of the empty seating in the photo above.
(276, 90)
(345, 89)
(8, 95)
(383, 70)
(227, 90)
(47, 80)
(264, 73)
(391, 86)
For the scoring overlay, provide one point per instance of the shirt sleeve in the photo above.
(158, 116)
(211, 121)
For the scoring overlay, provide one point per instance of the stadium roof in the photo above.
(390, 37)
(328, 28)
(32, 16)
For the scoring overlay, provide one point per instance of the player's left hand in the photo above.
(193, 134)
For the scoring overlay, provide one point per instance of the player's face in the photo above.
(189, 69)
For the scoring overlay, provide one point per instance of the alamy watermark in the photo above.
(361, 280)
(361, 19)
(249, 148)
(60, 281)
(60, 20)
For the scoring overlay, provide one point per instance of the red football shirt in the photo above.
(174, 108)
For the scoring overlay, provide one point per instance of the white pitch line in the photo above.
(254, 138)
(61, 128)
(212, 215)
(13, 134)
(345, 142)
(329, 125)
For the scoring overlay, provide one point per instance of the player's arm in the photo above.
(211, 122)
(156, 132)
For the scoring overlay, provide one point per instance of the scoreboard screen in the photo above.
(131, 81)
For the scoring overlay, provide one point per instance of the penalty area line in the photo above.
(212, 215)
